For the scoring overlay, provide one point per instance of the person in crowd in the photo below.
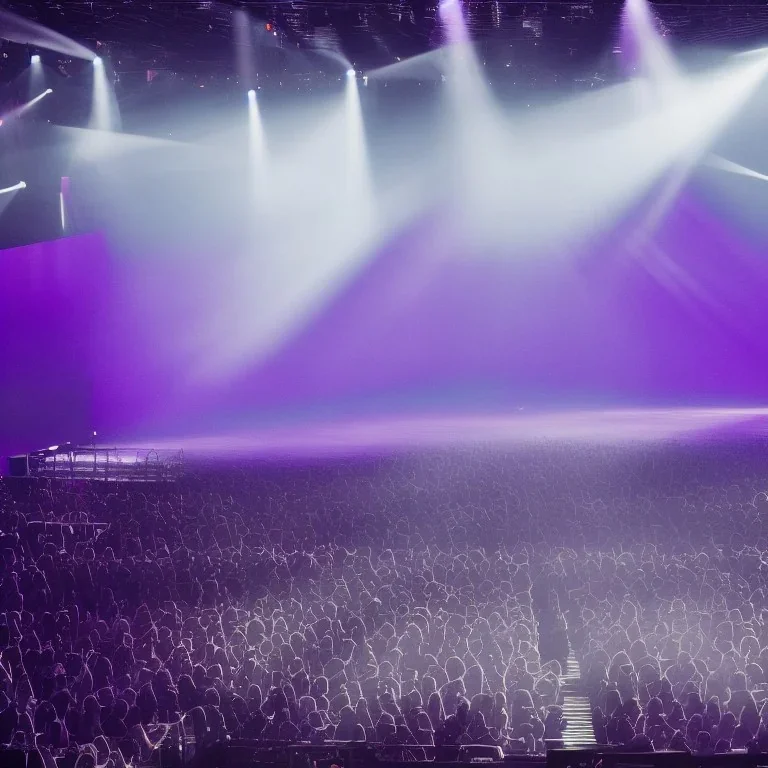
(434, 606)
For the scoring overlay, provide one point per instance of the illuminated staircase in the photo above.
(576, 709)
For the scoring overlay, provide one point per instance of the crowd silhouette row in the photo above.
(411, 601)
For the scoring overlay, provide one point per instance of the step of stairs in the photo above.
(576, 708)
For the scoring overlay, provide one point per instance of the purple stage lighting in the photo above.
(455, 25)
(44, 389)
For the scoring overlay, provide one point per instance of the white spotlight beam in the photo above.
(14, 188)
(453, 21)
(729, 91)
(93, 146)
(324, 220)
(40, 97)
(474, 119)
(256, 148)
(655, 57)
(754, 53)
(357, 175)
(105, 113)
(17, 29)
(425, 66)
(24, 107)
(567, 181)
(466, 81)
(333, 56)
(63, 195)
(722, 164)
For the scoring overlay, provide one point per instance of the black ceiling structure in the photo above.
(194, 38)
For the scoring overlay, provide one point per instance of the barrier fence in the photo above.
(252, 754)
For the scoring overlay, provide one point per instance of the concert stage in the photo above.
(73, 462)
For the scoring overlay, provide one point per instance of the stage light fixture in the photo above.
(34, 59)
(351, 73)
(97, 60)
(251, 94)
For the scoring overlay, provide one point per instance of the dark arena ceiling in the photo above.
(164, 56)
(175, 67)
(192, 39)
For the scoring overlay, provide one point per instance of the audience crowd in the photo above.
(413, 601)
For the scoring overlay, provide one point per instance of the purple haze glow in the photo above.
(682, 319)
(93, 339)
(51, 306)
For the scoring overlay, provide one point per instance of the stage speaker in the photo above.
(18, 466)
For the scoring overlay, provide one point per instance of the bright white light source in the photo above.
(14, 188)
(34, 59)
(49, 90)
(97, 61)
(255, 142)
(351, 73)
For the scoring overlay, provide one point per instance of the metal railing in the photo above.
(106, 464)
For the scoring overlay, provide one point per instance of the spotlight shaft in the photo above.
(14, 188)
(24, 107)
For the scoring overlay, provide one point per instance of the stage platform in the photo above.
(345, 436)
